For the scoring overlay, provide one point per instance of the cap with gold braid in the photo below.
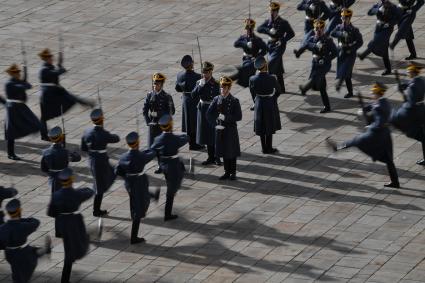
(378, 88)
(13, 207)
(249, 23)
(158, 77)
(274, 6)
(13, 69)
(414, 67)
(319, 24)
(66, 177)
(96, 116)
(207, 66)
(346, 13)
(166, 122)
(226, 81)
(55, 134)
(45, 54)
(132, 139)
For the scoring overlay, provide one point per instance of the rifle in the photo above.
(24, 61)
(249, 9)
(60, 56)
(199, 49)
(99, 100)
(63, 128)
(137, 120)
(361, 102)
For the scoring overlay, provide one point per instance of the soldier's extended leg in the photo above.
(232, 165)
(227, 169)
(43, 129)
(135, 231)
(422, 161)
(263, 143)
(364, 54)
(269, 141)
(349, 85)
(306, 87)
(412, 49)
(169, 207)
(11, 150)
(387, 65)
(97, 202)
(325, 98)
(281, 83)
(393, 176)
(66, 271)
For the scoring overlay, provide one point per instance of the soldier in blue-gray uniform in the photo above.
(279, 32)
(388, 16)
(410, 117)
(157, 104)
(265, 88)
(14, 240)
(186, 81)
(94, 142)
(64, 207)
(324, 51)
(376, 141)
(335, 8)
(225, 111)
(55, 99)
(131, 167)
(205, 90)
(4, 194)
(20, 120)
(167, 145)
(314, 10)
(349, 40)
(253, 46)
(56, 157)
(409, 10)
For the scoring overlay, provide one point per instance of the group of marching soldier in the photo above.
(209, 118)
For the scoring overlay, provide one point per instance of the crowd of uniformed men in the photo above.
(209, 118)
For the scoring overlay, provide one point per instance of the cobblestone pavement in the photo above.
(299, 216)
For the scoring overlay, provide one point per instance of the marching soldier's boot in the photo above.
(349, 85)
(393, 176)
(169, 207)
(263, 143)
(387, 65)
(412, 49)
(11, 150)
(66, 271)
(43, 130)
(422, 161)
(281, 83)
(364, 54)
(269, 141)
(211, 155)
(227, 168)
(325, 100)
(232, 165)
(304, 88)
(97, 202)
(135, 231)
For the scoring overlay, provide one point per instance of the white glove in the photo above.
(249, 44)
(221, 117)
(312, 7)
(272, 31)
(319, 45)
(345, 34)
(202, 82)
(381, 9)
(360, 112)
(278, 43)
(386, 25)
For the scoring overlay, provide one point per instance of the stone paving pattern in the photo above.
(302, 215)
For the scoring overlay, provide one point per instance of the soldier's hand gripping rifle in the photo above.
(24, 61)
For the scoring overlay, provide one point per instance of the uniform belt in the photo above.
(187, 92)
(48, 84)
(14, 101)
(135, 174)
(69, 213)
(419, 102)
(55, 170)
(309, 18)
(205, 101)
(98, 150)
(347, 44)
(18, 247)
(403, 7)
(171, 156)
(379, 22)
(267, 95)
(154, 114)
(273, 39)
(247, 55)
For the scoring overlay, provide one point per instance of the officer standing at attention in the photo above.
(225, 111)
(279, 32)
(131, 167)
(205, 90)
(94, 142)
(264, 88)
(167, 146)
(157, 104)
(64, 207)
(186, 81)
(20, 120)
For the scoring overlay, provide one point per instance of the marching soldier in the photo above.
(4, 194)
(324, 51)
(55, 99)
(388, 15)
(409, 8)
(376, 141)
(349, 40)
(157, 104)
(279, 32)
(186, 81)
(167, 145)
(131, 167)
(265, 88)
(205, 90)
(94, 142)
(253, 46)
(410, 117)
(64, 207)
(314, 10)
(56, 158)
(225, 111)
(335, 8)
(14, 240)
(20, 120)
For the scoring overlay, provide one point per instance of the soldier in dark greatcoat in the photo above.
(205, 90)
(314, 10)
(324, 51)
(4, 194)
(253, 46)
(56, 157)
(225, 111)
(64, 207)
(279, 32)
(335, 8)
(13, 239)
(20, 120)
(94, 142)
(410, 117)
(376, 141)
(131, 167)
(167, 145)
(409, 9)
(157, 104)
(265, 88)
(388, 16)
(349, 40)
(186, 81)
(55, 99)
